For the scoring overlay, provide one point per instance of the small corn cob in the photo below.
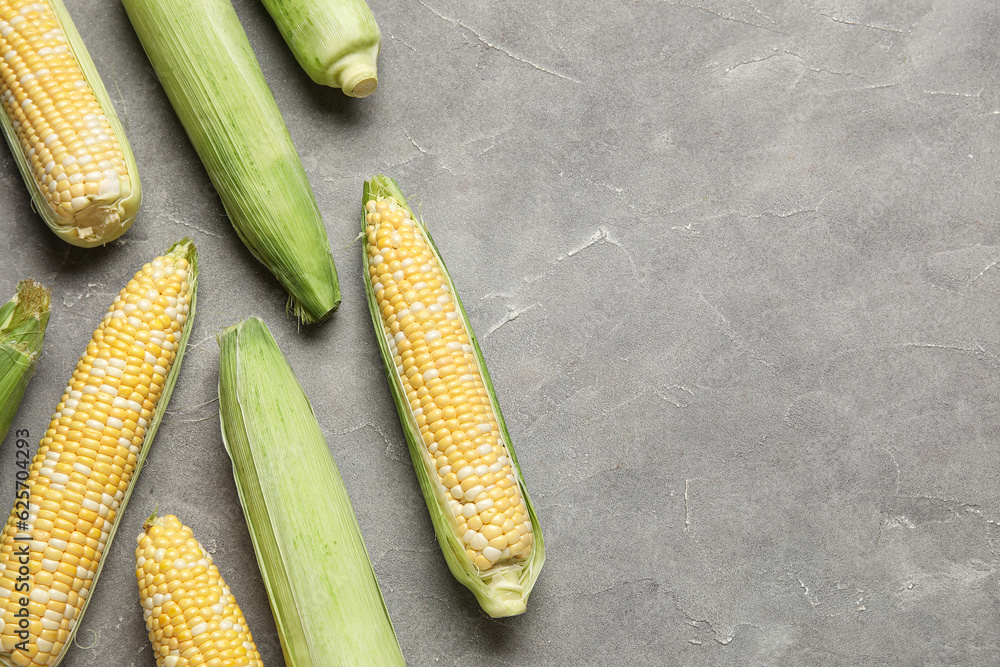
(70, 501)
(60, 125)
(336, 42)
(458, 441)
(191, 615)
(22, 331)
(324, 596)
(208, 70)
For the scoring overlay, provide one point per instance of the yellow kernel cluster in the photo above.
(69, 145)
(191, 615)
(437, 366)
(81, 472)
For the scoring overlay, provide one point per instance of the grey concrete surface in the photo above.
(734, 266)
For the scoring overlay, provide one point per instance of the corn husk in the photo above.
(22, 332)
(107, 217)
(501, 591)
(336, 42)
(326, 602)
(206, 66)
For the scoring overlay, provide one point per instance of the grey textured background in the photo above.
(733, 265)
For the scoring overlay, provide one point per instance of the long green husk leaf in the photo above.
(22, 332)
(206, 66)
(500, 591)
(108, 217)
(336, 42)
(326, 602)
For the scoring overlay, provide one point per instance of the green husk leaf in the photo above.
(208, 70)
(23, 320)
(324, 596)
(501, 591)
(110, 217)
(336, 42)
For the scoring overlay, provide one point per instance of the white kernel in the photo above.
(469, 534)
(432, 335)
(484, 505)
(199, 629)
(469, 511)
(491, 554)
(471, 494)
(465, 472)
(484, 449)
(482, 470)
(478, 542)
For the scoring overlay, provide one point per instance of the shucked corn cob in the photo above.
(70, 502)
(205, 64)
(458, 440)
(326, 601)
(191, 615)
(22, 331)
(60, 125)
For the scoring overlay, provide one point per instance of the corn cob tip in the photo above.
(32, 301)
(356, 73)
(191, 617)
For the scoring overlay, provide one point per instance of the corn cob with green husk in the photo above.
(22, 331)
(326, 602)
(208, 70)
(61, 127)
(458, 441)
(336, 42)
(191, 615)
(70, 501)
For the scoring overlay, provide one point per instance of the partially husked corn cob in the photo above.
(72, 497)
(22, 331)
(326, 601)
(208, 70)
(60, 125)
(336, 42)
(191, 615)
(458, 440)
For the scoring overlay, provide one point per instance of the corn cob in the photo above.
(336, 42)
(22, 331)
(459, 444)
(70, 501)
(191, 615)
(326, 602)
(208, 70)
(61, 127)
